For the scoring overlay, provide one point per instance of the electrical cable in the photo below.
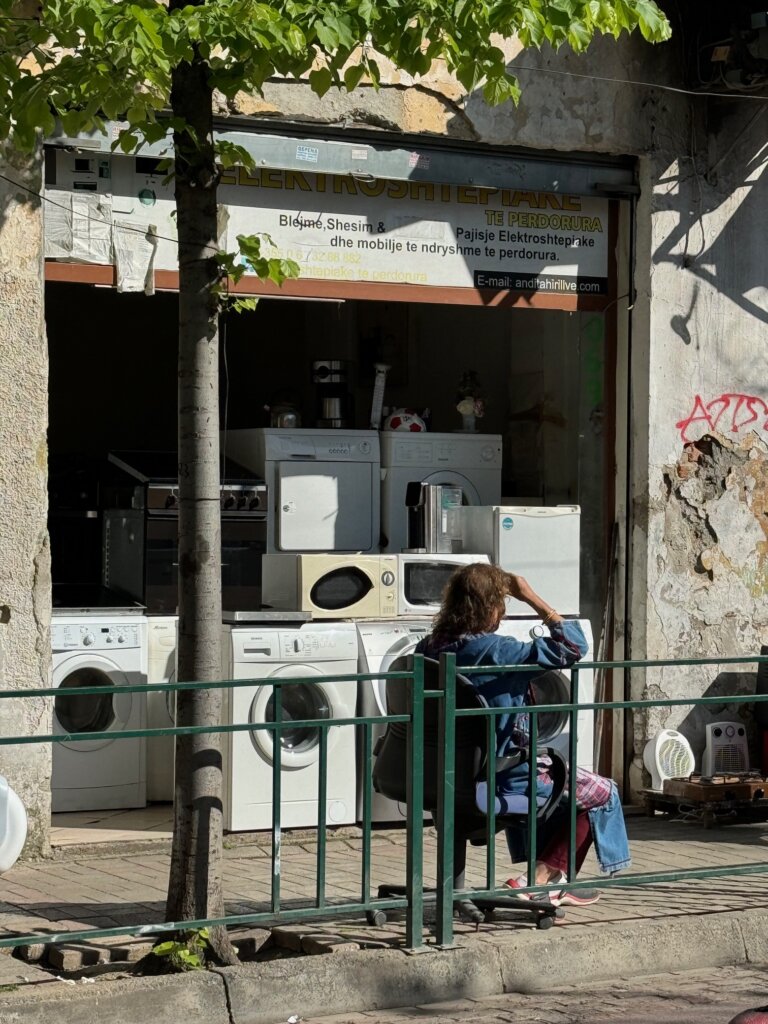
(647, 85)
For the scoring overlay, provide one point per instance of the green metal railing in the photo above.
(448, 717)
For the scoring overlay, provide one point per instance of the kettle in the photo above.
(285, 415)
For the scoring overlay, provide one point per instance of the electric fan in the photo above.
(726, 749)
(668, 756)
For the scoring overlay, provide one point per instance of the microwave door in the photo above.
(341, 590)
(324, 506)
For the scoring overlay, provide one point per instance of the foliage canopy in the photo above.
(86, 61)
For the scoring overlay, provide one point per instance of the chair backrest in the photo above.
(389, 770)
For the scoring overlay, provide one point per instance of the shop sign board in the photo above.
(412, 232)
(353, 231)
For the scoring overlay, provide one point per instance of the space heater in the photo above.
(668, 756)
(726, 750)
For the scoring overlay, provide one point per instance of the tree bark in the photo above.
(195, 885)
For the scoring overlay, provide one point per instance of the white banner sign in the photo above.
(343, 228)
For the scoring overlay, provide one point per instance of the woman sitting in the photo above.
(473, 606)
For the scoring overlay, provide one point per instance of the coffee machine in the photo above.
(333, 402)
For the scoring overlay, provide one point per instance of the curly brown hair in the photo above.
(473, 601)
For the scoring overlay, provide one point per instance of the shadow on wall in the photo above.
(725, 685)
(722, 205)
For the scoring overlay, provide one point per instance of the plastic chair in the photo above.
(470, 821)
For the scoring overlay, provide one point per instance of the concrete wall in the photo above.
(25, 597)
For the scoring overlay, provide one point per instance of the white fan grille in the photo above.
(674, 759)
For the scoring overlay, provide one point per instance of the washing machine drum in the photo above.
(550, 688)
(91, 713)
(301, 703)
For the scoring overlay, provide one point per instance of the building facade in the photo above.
(688, 465)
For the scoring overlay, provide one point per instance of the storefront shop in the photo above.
(468, 275)
(434, 278)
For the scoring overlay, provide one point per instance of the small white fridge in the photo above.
(540, 543)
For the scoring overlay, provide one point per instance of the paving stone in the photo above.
(251, 941)
(289, 936)
(32, 953)
(314, 944)
(67, 958)
(128, 952)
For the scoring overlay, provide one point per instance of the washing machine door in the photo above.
(109, 712)
(301, 702)
(404, 646)
(451, 478)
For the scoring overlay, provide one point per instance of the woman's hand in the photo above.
(520, 589)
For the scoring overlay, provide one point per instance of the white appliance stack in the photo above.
(342, 592)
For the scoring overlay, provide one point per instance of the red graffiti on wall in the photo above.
(730, 413)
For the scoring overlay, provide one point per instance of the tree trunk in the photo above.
(195, 885)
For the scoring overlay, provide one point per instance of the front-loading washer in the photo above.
(469, 461)
(381, 643)
(99, 648)
(521, 629)
(162, 638)
(320, 652)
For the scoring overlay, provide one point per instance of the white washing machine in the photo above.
(380, 644)
(162, 633)
(317, 650)
(469, 461)
(520, 629)
(99, 648)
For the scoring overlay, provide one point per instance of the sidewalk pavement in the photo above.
(630, 931)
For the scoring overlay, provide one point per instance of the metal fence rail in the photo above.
(448, 716)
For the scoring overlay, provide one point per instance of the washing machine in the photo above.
(520, 629)
(99, 648)
(380, 644)
(315, 650)
(469, 461)
(162, 634)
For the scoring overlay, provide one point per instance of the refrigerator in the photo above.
(537, 542)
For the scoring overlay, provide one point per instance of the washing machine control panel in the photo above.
(94, 637)
(328, 644)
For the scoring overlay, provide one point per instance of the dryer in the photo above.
(162, 633)
(323, 486)
(318, 651)
(469, 461)
(520, 629)
(380, 644)
(99, 648)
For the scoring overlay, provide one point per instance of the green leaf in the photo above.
(165, 948)
(352, 76)
(320, 81)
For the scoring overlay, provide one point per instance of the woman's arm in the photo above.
(566, 643)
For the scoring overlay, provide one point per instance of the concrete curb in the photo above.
(486, 964)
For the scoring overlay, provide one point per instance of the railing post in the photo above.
(446, 798)
(573, 740)
(277, 795)
(415, 818)
(533, 792)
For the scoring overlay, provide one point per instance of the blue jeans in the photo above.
(606, 823)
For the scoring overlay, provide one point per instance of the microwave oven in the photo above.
(422, 578)
(331, 586)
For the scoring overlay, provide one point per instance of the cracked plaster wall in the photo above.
(700, 375)
(25, 596)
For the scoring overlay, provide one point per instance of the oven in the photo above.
(141, 551)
